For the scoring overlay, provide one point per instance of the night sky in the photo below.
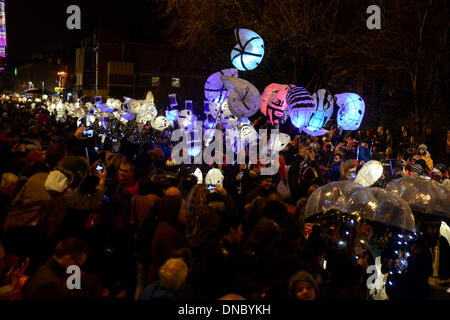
(40, 26)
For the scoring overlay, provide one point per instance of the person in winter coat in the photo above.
(60, 189)
(172, 279)
(169, 234)
(425, 155)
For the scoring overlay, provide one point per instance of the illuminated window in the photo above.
(155, 81)
(176, 82)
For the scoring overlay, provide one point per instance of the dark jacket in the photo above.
(50, 283)
(156, 292)
(166, 239)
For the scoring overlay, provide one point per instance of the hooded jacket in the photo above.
(39, 188)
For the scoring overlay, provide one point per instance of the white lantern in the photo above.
(214, 177)
(249, 51)
(199, 175)
(184, 118)
(351, 110)
(369, 173)
(244, 98)
(160, 123)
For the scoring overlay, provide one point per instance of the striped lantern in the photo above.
(300, 105)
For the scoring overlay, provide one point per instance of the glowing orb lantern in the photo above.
(351, 110)
(273, 103)
(249, 51)
(300, 105)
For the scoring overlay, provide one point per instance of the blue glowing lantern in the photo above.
(300, 105)
(215, 90)
(323, 101)
(172, 115)
(351, 110)
(249, 51)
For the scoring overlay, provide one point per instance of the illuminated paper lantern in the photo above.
(300, 105)
(214, 177)
(244, 99)
(184, 118)
(351, 110)
(369, 173)
(149, 98)
(323, 110)
(172, 115)
(273, 103)
(160, 123)
(247, 131)
(228, 120)
(249, 51)
(148, 112)
(215, 90)
(319, 132)
(199, 175)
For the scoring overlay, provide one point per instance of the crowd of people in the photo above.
(143, 228)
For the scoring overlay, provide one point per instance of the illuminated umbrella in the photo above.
(244, 98)
(329, 196)
(423, 194)
(215, 90)
(378, 205)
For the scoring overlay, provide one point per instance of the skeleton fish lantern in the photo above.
(249, 51)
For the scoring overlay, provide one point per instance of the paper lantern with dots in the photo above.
(323, 100)
(273, 103)
(351, 110)
(249, 51)
(215, 90)
(300, 105)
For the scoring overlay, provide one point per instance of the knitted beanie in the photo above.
(303, 276)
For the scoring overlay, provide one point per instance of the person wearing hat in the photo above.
(303, 286)
(425, 155)
(59, 190)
